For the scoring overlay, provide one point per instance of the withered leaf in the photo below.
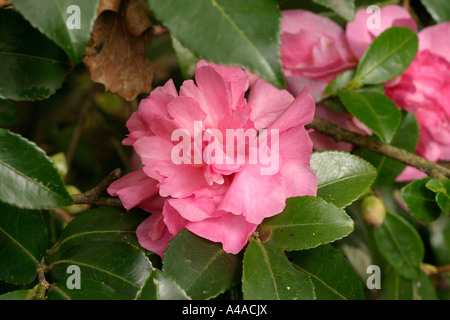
(4, 3)
(115, 57)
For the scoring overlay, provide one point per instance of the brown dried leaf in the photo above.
(115, 57)
(4, 3)
(136, 17)
(111, 5)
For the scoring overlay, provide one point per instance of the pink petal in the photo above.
(231, 230)
(435, 39)
(133, 189)
(153, 235)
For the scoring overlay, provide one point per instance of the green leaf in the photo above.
(340, 82)
(231, 32)
(344, 8)
(18, 295)
(306, 222)
(28, 178)
(160, 286)
(56, 21)
(101, 224)
(407, 138)
(29, 72)
(388, 56)
(442, 189)
(420, 200)
(333, 276)
(400, 244)
(438, 9)
(399, 288)
(8, 112)
(342, 177)
(90, 290)
(375, 110)
(187, 60)
(200, 267)
(23, 240)
(268, 275)
(120, 265)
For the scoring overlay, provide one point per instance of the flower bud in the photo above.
(75, 208)
(60, 162)
(373, 211)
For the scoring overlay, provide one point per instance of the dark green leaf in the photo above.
(333, 277)
(375, 110)
(101, 224)
(399, 288)
(442, 189)
(8, 112)
(232, 32)
(388, 56)
(90, 290)
(28, 178)
(32, 67)
(407, 138)
(200, 267)
(400, 245)
(23, 241)
(420, 200)
(342, 177)
(160, 286)
(438, 9)
(52, 19)
(306, 222)
(345, 8)
(268, 275)
(120, 265)
(18, 295)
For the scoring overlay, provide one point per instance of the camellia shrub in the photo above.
(225, 150)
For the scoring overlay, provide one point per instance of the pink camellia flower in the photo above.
(361, 31)
(424, 89)
(313, 52)
(192, 179)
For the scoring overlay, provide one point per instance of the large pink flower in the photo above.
(361, 32)
(424, 89)
(223, 201)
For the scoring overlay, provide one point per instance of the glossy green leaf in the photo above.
(268, 275)
(90, 290)
(388, 56)
(333, 276)
(29, 72)
(375, 110)
(399, 288)
(101, 224)
(440, 239)
(407, 138)
(18, 295)
(438, 9)
(60, 22)
(306, 222)
(345, 8)
(119, 265)
(23, 241)
(342, 177)
(400, 244)
(420, 200)
(8, 112)
(160, 286)
(186, 59)
(28, 178)
(231, 32)
(339, 82)
(200, 267)
(442, 189)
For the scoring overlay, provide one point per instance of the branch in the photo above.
(95, 196)
(433, 169)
